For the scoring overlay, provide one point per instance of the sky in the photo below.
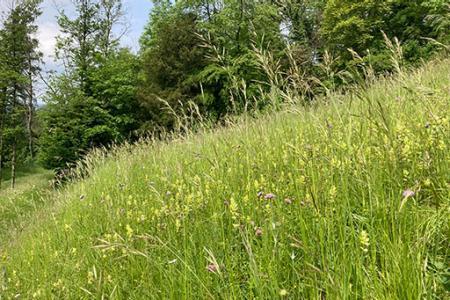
(137, 12)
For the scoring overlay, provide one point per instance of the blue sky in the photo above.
(137, 12)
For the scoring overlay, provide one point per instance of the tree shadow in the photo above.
(21, 171)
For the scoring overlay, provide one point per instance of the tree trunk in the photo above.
(14, 142)
(1, 156)
(30, 129)
(13, 164)
(2, 115)
(30, 114)
(1, 160)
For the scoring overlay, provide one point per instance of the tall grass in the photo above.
(16, 205)
(344, 199)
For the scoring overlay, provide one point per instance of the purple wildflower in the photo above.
(212, 268)
(269, 196)
(408, 193)
(259, 232)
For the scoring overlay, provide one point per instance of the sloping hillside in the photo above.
(348, 199)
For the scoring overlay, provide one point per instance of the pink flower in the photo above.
(269, 196)
(212, 268)
(259, 232)
(408, 193)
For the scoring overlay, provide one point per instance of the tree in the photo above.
(359, 25)
(301, 20)
(67, 134)
(181, 47)
(92, 103)
(354, 24)
(111, 14)
(301, 23)
(20, 60)
(3, 97)
(114, 85)
(77, 46)
(438, 19)
(219, 56)
(233, 76)
(173, 57)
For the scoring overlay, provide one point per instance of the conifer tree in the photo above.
(20, 63)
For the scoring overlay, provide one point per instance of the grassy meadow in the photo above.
(348, 198)
(30, 195)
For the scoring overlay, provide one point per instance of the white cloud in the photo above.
(46, 35)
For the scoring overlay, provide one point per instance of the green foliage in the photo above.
(114, 85)
(302, 20)
(169, 66)
(354, 25)
(358, 25)
(19, 64)
(93, 104)
(211, 59)
(439, 19)
(78, 43)
(201, 54)
(344, 199)
(162, 9)
(82, 125)
(240, 24)
(18, 205)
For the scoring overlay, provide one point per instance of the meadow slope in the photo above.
(30, 194)
(345, 199)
